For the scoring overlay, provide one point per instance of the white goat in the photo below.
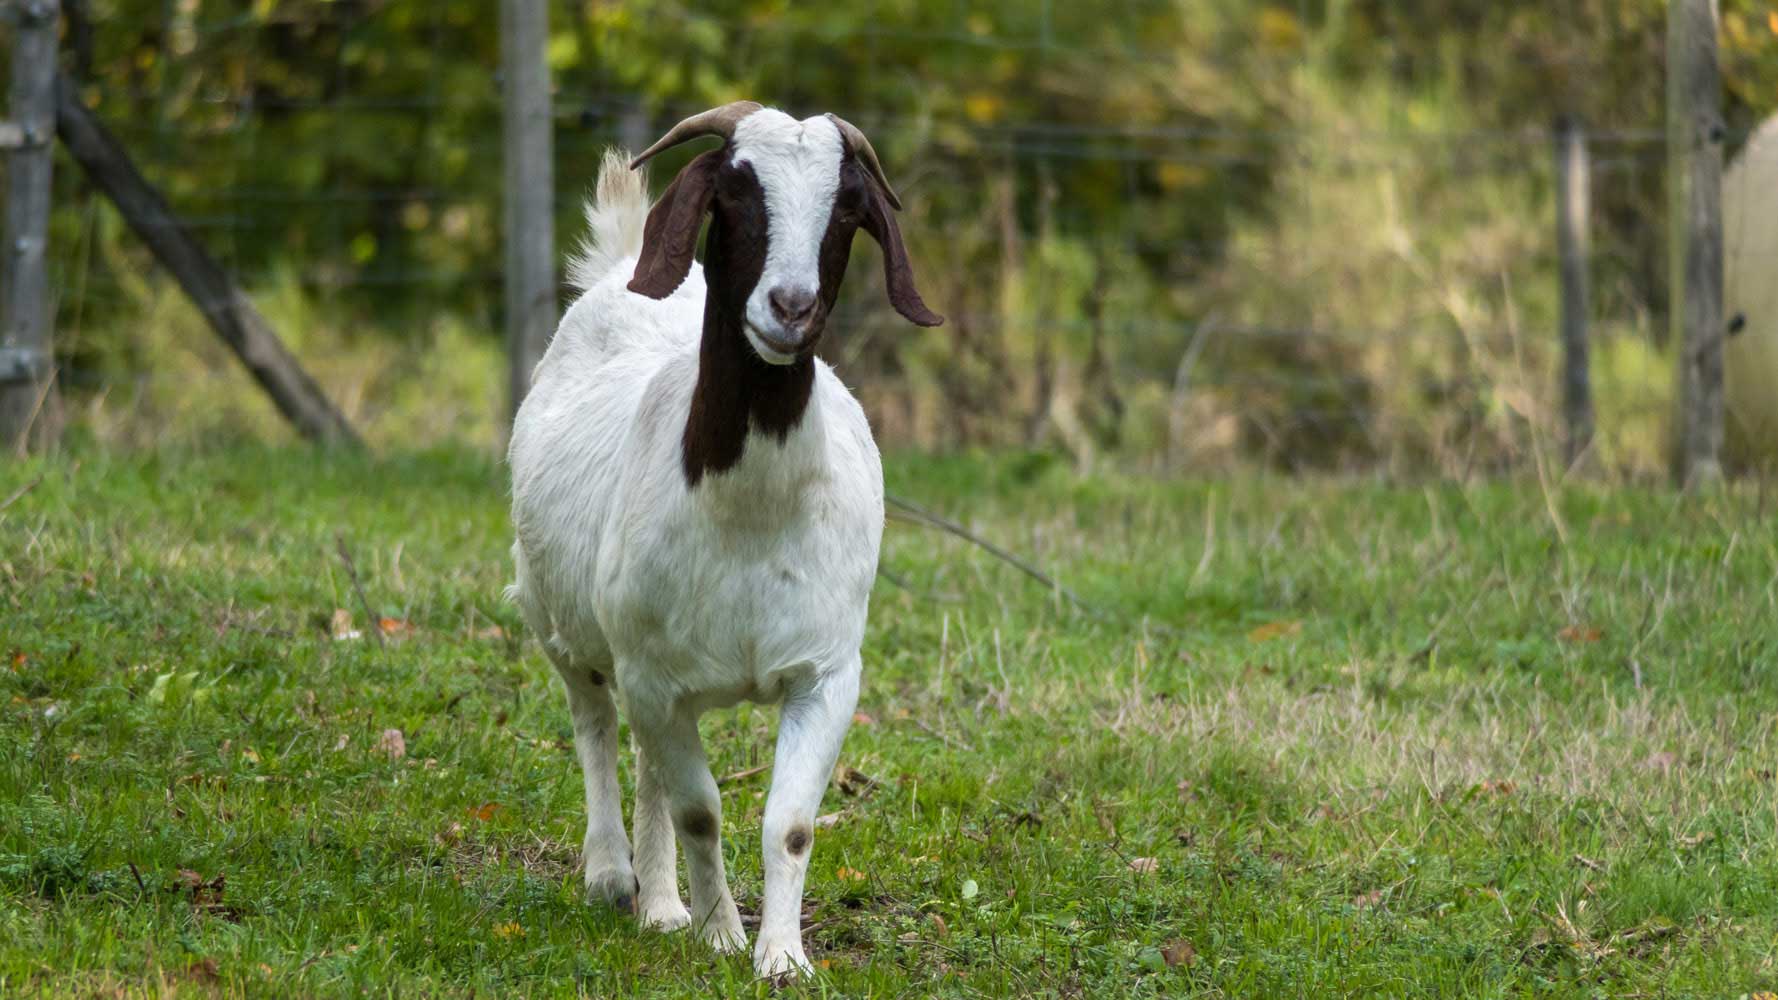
(698, 501)
(1750, 296)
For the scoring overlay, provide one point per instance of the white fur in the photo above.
(798, 166)
(1750, 244)
(752, 586)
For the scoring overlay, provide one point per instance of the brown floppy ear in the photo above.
(670, 237)
(879, 221)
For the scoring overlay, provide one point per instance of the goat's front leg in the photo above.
(668, 743)
(810, 730)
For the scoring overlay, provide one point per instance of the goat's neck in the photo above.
(740, 401)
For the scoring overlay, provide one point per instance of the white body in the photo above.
(1750, 249)
(752, 585)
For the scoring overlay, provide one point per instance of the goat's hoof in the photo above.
(665, 916)
(775, 961)
(726, 940)
(615, 889)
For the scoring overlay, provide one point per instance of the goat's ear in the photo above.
(879, 221)
(670, 237)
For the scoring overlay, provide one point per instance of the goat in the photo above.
(698, 502)
(1750, 297)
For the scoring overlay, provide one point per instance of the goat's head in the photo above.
(785, 198)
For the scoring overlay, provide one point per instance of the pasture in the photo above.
(1321, 737)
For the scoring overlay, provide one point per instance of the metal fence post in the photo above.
(29, 412)
(1695, 133)
(1572, 207)
(530, 282)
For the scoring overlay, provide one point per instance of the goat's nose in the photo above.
(792, 306)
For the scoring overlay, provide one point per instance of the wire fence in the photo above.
(1227, 310)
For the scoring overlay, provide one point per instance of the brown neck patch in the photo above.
(737, 393)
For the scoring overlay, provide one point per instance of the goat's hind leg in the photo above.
(657, 863)
(605, 852)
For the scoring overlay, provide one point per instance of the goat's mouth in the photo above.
(777, 348)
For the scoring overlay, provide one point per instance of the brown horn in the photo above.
(716, 121)
(860, 147)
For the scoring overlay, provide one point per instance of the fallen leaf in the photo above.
(393, 744)
(485, 811)
(1275, 630)
(1366, 900)
(1588, 863)
(854, 782)
(845, 874)
(173, 688)
(18, 660)
(250, 755)
(511, 929)
(395, 627)
(1580, 633)
(938, 924)
(970, 888)
(1144, 866)
(204, 971)
(342, 625)
(340, 744)
(450, 835)
(1179, 952)
(828, 820)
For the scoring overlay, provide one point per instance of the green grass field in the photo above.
(1327, 738)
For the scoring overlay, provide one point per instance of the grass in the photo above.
(1329, 738)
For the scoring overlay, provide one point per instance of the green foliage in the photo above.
(1331, 738)
(1355, 192)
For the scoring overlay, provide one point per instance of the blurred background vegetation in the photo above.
(1179, 234)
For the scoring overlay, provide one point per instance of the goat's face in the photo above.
(785, 199)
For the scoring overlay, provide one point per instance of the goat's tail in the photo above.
(615, 215)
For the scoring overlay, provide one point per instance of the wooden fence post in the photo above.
(529, 222)
(29, 410)
(1695, 133)
(1572, 207)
